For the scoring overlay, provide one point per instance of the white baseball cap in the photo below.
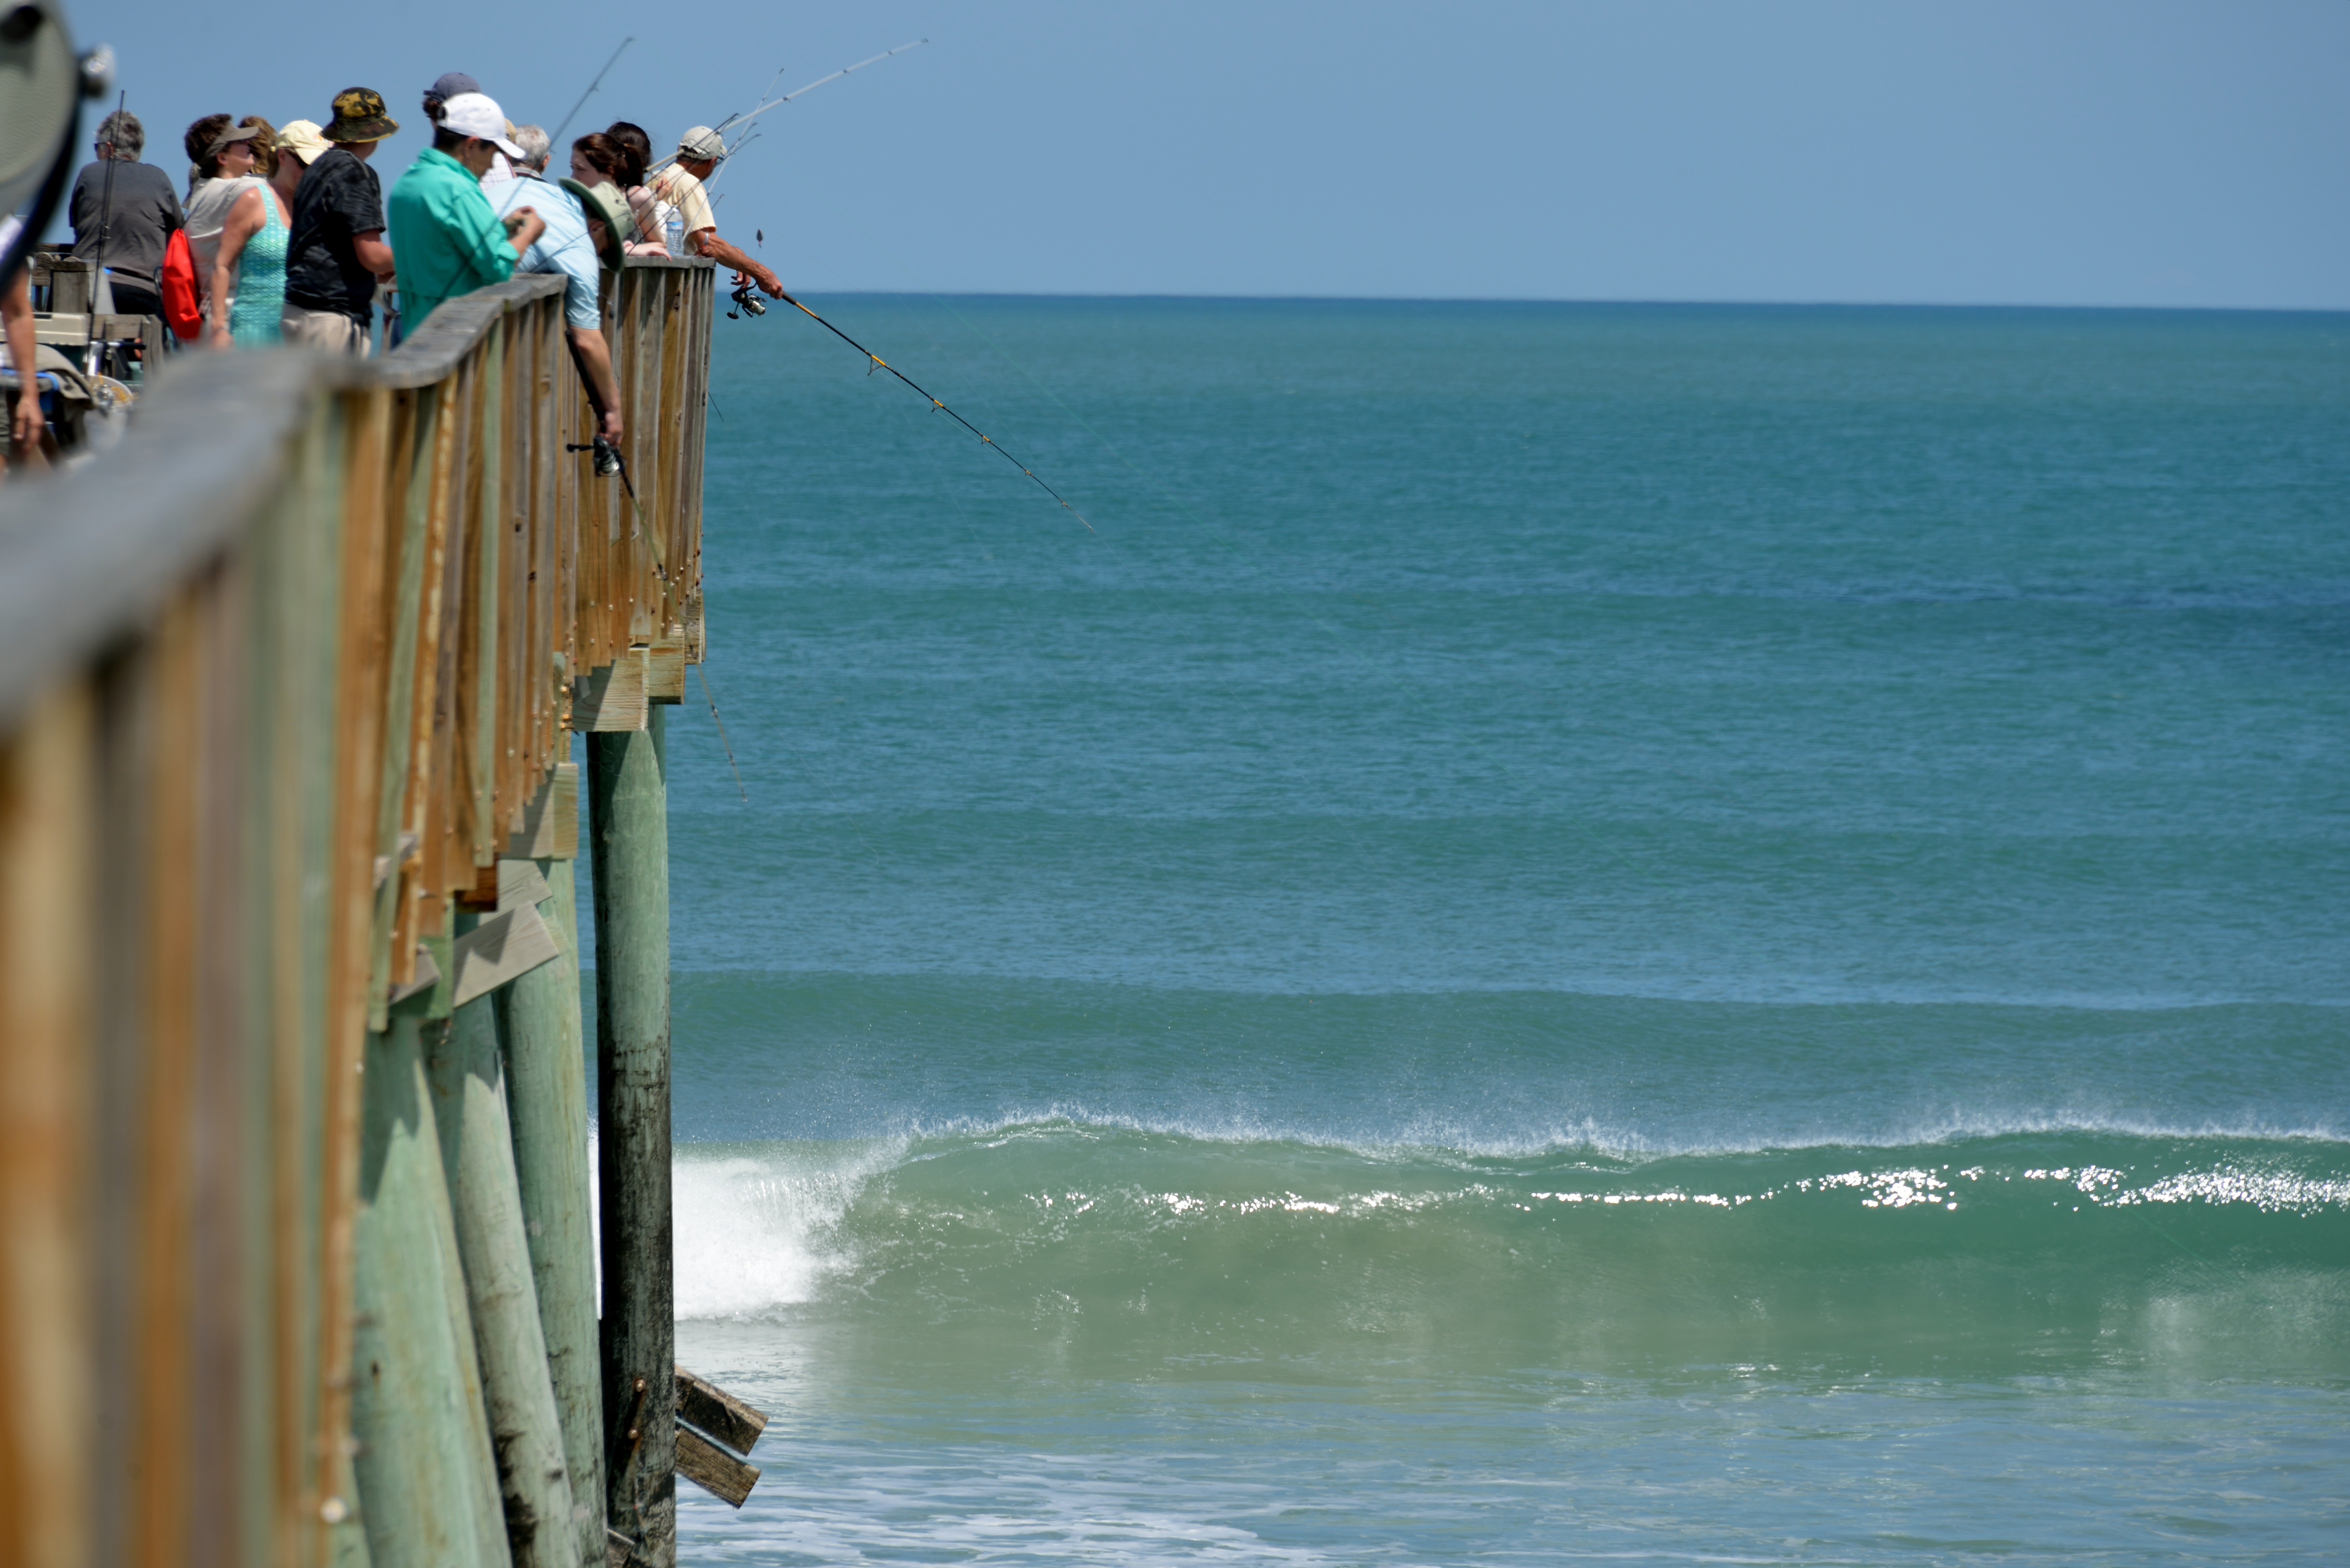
(701, 142)
(478, 114)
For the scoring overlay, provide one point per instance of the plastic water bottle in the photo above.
(674, 234)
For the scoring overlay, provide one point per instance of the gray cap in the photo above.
(701, 142)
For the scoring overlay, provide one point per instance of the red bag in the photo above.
(179, 290)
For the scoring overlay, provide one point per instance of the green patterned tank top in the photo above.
(261, 281)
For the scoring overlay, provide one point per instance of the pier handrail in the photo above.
(285, 680)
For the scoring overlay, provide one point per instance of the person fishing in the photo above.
(449, 239)
(698, 152)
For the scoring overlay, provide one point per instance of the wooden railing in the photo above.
(280, 683)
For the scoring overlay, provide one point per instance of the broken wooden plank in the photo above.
(506, 946)
(550, 823)
(713, 1469)
(521, 882)
(707, 1406)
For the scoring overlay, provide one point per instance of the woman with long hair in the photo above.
(601, 159)
(652, 213)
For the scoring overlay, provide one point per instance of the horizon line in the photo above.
(1623, 302)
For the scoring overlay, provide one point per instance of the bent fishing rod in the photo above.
(986, 440)
(732, 128)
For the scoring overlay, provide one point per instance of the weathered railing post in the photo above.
(629, 819)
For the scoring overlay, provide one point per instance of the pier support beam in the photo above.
(628, 820)
(546, 1099)
(468, 1081)
(428, 1498)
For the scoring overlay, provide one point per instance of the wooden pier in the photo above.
(295, 1266)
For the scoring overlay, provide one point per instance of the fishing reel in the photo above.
(746, 298)
(608, 456)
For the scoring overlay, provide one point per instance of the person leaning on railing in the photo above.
(648, 212)
(449, 240)
(567, 247)
(698, 152)
(336, 253)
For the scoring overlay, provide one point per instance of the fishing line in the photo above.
(879, 363)
(734, 123)
(608, 461)
(722, 733)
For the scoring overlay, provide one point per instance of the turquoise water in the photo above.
(1655, 934)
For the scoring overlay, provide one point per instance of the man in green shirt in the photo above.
(448, 238)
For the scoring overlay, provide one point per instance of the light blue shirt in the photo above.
(565, 248)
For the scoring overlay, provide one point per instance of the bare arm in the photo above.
(245, 220)
(594, 357)
(24, 357)
(372, 253)
(706, 241)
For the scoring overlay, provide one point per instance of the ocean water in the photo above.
(1637, 933)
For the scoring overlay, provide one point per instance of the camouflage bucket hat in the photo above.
(605, 204)
(359, 117)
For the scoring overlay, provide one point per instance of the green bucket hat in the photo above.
(605, 204)
(359, 117)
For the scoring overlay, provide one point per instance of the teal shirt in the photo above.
(446, 239)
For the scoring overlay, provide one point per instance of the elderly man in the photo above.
(450, 241)
(123, 214)
(336, 253)
(699, 153)
(567, 247)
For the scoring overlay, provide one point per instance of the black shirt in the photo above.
(137, 216)
(338, 199)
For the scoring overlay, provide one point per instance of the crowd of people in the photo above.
(292, 238)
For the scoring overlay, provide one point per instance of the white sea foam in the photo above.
(1454, 1140)
(758, 1231)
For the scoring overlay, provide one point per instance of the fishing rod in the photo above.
(556, 139)
(879, 363)
(734, 124)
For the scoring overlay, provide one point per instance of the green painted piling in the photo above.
(469, 1093)
(628, 816)
(546, 1100)
(416, 1399)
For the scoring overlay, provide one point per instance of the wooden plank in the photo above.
(504, 947)
(550, 823)
(521, 882)
(426, 973)
(713, 1469)
(49, 859)
(612, 699)
(732, 1422)
(665, 671)
(361, 671)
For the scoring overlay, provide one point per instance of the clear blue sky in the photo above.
(1989, 151)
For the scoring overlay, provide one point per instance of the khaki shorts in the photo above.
(331, 330)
